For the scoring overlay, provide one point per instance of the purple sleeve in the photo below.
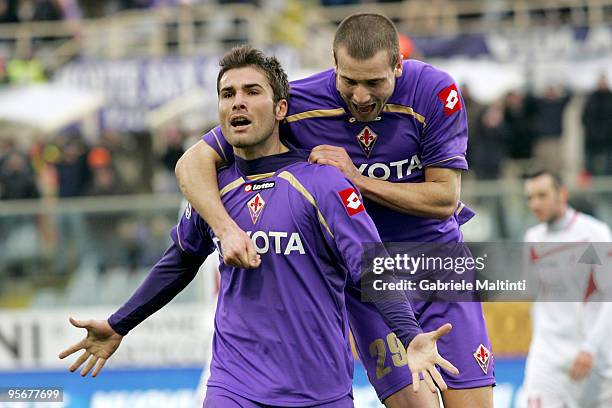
(216, 140)
(399, 316)
(444, 138)
(167, 279)
(179, 265)
(346, 225)
(191, 234)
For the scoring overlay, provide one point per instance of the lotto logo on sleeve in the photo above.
(450, 99)
(351, 201)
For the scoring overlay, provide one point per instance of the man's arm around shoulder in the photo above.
(196, 173)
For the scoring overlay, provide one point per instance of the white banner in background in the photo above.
(175, 335)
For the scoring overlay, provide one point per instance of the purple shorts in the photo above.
(217, 397)
(467, 346)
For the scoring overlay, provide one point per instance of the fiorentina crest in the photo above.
(256, 205)
(483, 358)
(366, 139)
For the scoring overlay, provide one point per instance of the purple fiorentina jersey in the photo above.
(281, 330)
(423, 124)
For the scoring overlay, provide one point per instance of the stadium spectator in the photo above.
(39, 10)
(8, 11)
(488, 152)
(93, 8)
(597, 120)
(548, 127)
(518, 115)
(4, 79)
(487, 149)
(105, 179)
(549, 110)
(473, 107)
(47, 10)
(107, 245)
(26, 70)
(174, 148)
(17, 179)
(73, 172)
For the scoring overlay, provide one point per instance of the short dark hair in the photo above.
(557, 180)
(247, 56)
(364, 34)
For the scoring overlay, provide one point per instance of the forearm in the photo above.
(167, 279)
(600, 330)
(394, 306)
(431, 199)
(399, 316)
(196, 173)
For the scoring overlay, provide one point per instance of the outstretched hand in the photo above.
(423, 357)
(99, 344)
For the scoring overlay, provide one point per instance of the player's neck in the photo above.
(271, 163)
(268, 147)
(559, 222)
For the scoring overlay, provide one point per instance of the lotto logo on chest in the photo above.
(366, 139)
(256, 206)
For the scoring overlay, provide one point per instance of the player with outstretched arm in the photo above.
(281, 330)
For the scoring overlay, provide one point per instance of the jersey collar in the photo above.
(270, 164)
(563, 222)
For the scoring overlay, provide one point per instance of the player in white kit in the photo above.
(569, 364)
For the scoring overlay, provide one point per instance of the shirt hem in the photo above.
(454, 162)
(266, 401)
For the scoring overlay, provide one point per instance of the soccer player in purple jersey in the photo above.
(398, 130)
(281, 330)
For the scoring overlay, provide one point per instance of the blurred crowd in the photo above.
(68, 166)
(14, 11)
(515, 132)
(524, 129)
(19, 11)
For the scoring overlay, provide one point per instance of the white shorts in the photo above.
(597, 390)
(549, 386)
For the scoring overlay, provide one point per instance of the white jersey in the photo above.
(563, 263)
(561, 329)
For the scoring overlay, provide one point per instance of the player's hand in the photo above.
(334, 156)
(238, 249)
(99, 344)
(423, 357)
(582, 365)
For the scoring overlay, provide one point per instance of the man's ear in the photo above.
(399, 67)
(280, 110)
(564, 193)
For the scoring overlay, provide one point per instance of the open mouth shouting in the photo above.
(364, 110)
(240, 122)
